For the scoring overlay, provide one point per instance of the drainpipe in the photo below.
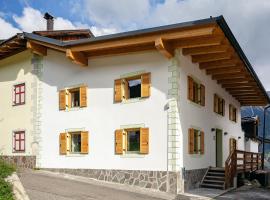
(264, 132)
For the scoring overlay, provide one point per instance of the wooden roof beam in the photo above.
(229, 76)
(146, 39)
(224, 70)
(205, 50)
(234, 80)
(219, 64)
(249, 88)
(164, 48)
(77, 57)
(211, 57)
(36, 48)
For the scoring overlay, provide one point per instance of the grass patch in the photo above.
(6, 192)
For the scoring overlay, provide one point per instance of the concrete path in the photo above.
(41, 185)
(247, 193)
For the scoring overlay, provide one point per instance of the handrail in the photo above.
(250, 161)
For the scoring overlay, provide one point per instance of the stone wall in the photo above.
(21, 161)
(157, 180)
(193, 178)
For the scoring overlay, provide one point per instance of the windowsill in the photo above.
(14, 105)
(195, 104)
(235, 122)
(132, 155)
(220, 115)
(76, 155)
(19, 152)
(133, 100)
(73, 109)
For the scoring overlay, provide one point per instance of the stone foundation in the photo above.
(21, 161)
(193, 178)
(157, 180)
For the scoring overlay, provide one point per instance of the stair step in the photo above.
(216, 173)
(214, 177)
(212, 186)
(217, 169)
(213, 181)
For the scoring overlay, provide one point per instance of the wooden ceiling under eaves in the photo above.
(11, 47)
(205, 43)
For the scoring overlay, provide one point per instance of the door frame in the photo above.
(220, 148)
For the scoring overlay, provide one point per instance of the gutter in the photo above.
(228, 33)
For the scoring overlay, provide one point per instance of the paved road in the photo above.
(247, 193)
(40, 186)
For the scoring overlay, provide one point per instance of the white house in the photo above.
(152, 108)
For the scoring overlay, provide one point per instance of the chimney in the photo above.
(49, 20)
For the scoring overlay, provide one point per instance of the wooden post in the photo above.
(244, 162)
(251, 161)
(257, 161)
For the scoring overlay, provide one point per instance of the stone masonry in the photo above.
(21, 161)
(157, 180)
(193, 178)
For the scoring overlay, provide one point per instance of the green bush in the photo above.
(6, 169)
(6, 192)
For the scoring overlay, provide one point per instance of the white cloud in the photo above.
(7, 29)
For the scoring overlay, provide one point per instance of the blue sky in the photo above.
(246, 18)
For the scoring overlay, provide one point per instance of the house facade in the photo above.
(151, 108)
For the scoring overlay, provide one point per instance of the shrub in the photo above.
(6, 192)
(6, 169)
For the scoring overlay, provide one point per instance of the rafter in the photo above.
(219, 64)
(224, 70)
(77, 57)
(36, 48)
(234, 80)
(211, 57)
(164, 48)
(229, 76)
(205, 50)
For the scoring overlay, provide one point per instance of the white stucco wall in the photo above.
(204, 118)
(14, 70)
(252, 146)
(102, 116)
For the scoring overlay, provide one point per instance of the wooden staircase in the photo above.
(214, 178)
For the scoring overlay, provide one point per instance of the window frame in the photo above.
(20, 140)
(197, 96)
(14, 94)
(125, 142)
(70, 142)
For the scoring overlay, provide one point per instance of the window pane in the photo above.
(134, 87)
(17, 89)
(22, 145)
(75, 143)
(17, 99)
(22, 97)
(75, 98)
(133, 139)
(22, 88)
(22, 136)
(17, 136)
(17, 145)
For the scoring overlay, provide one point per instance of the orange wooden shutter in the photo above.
(84, 142)
(215, 103)
(202, 142)
(125, 89)
(83, 96)
(63, 143)
(144, 140)
(119, 141)
(117, 90)
(62, 100)
(191, 141)
(190, 89)
(223, 107)
(146, 85)
(202, 91)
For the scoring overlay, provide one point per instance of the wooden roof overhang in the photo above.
(209, 43)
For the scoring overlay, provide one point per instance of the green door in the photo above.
(219, 144)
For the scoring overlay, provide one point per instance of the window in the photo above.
(74, 143)
(19, 141)
(73, 98)
(196, 92)
(132, 141)
(132, 87)
(19, 94)
(219, 105)
(233, 113)
(196, 141)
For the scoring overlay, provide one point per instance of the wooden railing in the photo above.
(241, 161)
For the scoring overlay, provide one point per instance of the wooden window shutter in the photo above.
(117, 90)
(144, 140)
(62, 100)
(146, 85)
(230, 112)
(83, 96)
(119, 141)
(202, 142)
(202, 91)
(215, 103)
(125, 89)
(223, 107)
(84, 142)
(63, 143)
(190, 89)
(191, 141)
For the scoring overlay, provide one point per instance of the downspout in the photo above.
(264, 133)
